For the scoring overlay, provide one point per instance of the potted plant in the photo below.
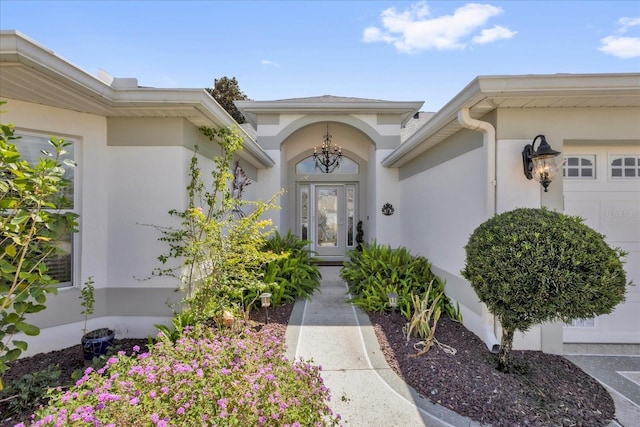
(95, 343)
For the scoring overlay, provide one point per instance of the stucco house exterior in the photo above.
(442, 173)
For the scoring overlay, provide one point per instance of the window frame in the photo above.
(75, 203)
(593, 158)
(298, 167)
(623, 156)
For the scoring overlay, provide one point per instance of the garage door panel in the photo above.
(587, 209)
(620, 220)
(613, 208)
(632, 267)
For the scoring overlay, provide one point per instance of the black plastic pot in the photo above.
(96, 343)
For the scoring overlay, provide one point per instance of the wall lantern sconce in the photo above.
(265, 301)
(328, 159)
(540, 164)
(393, 300)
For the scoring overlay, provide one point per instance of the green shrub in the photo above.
(31, 226)
(375, 270)
(29, 391)
(208, 377)
(293, 276)
(179, 321)
(534, 265)
(214, 253)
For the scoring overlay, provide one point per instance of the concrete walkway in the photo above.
(364, 389)
(617, 368)
(366, 392)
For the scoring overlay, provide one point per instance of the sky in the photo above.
(392, 50)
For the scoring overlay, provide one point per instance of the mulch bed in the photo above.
(543, 390)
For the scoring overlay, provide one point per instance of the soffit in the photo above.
(32, 85)
(328, 104)
(489, 93)
(32, 73)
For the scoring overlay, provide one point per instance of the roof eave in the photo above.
(18, 50)
(470, 94)
(251, 109)
(483, 89)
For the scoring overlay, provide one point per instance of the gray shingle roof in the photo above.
(329, 99)
(414, 124)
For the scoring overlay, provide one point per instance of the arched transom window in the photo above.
(308, 166)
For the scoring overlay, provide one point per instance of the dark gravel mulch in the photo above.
(543, 390)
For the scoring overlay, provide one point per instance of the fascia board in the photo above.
(198, 99)
(276, 107)
(560, 84)
(251, 109)
(487, 87)
(17, 48)
(470, 95)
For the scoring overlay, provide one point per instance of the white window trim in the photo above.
(75, 239)
(615, 156)
(592, 157)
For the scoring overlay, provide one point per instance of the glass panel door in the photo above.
(327, 215)
(329, 220)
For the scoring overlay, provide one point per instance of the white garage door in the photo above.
(602, 185)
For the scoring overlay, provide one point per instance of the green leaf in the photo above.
(20, 307)
(30, 330)
(22, 345)
(11, 318)
(10, 250)
(12, 355)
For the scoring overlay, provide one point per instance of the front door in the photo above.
(326, 218)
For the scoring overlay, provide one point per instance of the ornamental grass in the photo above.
(208, 377)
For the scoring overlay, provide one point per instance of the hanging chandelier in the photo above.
(328, 159)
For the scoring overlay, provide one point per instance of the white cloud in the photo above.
(624, 47)
(626, 23)
(415, 29)
(268, 63)
(491, 35)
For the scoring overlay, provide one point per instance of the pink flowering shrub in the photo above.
(207, 377)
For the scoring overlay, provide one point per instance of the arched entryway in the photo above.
(325, 208)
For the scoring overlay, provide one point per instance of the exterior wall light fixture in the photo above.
(540, 164)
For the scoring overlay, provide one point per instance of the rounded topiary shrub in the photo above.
(533, 265)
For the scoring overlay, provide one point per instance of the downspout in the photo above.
(489, 144)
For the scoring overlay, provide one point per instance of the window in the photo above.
(579, 167)
(60, 267)
(582, 323)
(304, 213)
(351, 211)
(308, 166)
(623, 166)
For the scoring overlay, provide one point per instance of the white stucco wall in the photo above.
(441, 206)
(144, 184)
(270, 183)
(387, 228)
